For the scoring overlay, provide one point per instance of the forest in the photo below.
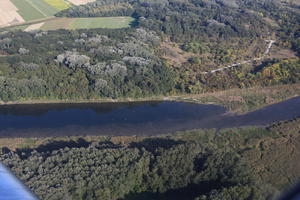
(167, 50)
(196, 164)
(82, 65)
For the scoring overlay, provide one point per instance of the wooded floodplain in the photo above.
(242, 163)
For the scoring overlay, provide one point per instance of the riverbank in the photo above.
(188, 135)
(129, 119)
(241, 101)
(250, 151)
(237, 101)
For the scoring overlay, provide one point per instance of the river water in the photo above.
(134, 118)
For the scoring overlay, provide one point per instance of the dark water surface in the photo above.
(134, 118)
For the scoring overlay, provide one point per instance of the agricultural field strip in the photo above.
(44, 7)
(271, 42)
(101, 22)
(81, 23)
(27, 11)
(58, 4)
(34, 6)
(26, 24)
(12, 13)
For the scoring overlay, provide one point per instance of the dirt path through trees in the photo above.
(270, 44)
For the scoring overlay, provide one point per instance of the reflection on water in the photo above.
(135, 118)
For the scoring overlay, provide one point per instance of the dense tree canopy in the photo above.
(82, 65)
(190, 165)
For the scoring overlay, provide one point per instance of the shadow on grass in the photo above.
(152, 144)
(187, 193)
(56, 145)
(52, 146)
(263, 65)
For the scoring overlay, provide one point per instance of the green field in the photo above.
(38, 9)
(41, 10)
(87, 23)
(43, 7)
(58, 4)
(27, 11)
(101, 22)
(77, 23)
(58, 23)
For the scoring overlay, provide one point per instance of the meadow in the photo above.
(58, 4)
(100, 22)
(76, 23)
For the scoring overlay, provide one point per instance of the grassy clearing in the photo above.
(55, 23)
(101, 22)
(87, 23)
(58, 23)
(58, 4)
(27, 11)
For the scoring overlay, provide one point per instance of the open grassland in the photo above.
(87, 23)
(58, 4)
(55, 23)
(101, 22)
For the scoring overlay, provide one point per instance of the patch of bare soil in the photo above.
(281, 53)
(9, 14)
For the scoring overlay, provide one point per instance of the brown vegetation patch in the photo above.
(276, 160)
(236, 98)
(248, 99)
(281, 53)
(173, 54)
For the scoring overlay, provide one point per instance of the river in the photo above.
(134, 118)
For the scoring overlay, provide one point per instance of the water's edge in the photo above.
(131, 118)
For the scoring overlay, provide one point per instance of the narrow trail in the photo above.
(267, 51)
